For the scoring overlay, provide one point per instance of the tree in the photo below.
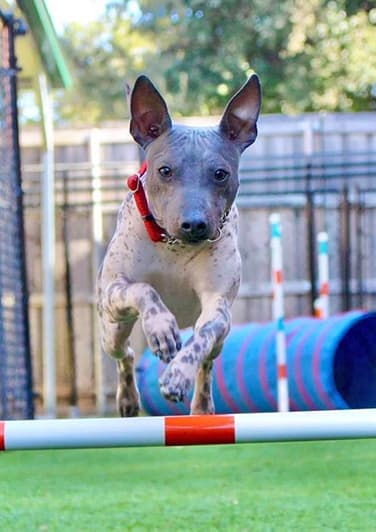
(104, 55)
(330, 57)
(209, 48)
(316, 55)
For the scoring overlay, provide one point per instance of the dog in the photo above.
(173, 261)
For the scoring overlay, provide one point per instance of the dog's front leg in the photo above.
(120, 304)
(193, 364)
(125, 301)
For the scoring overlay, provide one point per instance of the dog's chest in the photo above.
(171, 277)
(179, 297)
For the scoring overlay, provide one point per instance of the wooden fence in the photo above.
(318, 171)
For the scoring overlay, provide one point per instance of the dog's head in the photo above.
(192, 176)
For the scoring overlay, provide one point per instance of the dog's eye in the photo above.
(221, 174)
(165, 171)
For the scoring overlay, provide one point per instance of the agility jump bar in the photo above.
(187, 430)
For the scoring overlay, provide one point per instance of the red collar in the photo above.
(134, 182)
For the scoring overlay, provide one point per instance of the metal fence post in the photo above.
(311, 238)
(345, 248)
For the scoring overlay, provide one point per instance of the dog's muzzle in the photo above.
(197, 235)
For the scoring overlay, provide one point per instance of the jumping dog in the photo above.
(173, 261)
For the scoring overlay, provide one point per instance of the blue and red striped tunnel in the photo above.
(331, 365)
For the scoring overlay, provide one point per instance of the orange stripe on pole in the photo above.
(318, 313)
(2, 436)
(278, 277)
(324, 289)
(282, 371)
(199, 430)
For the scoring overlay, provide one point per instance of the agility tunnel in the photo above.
(331, 364)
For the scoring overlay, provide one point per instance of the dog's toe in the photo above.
(174, 384)
(166, 348)
(128, 402)
(128, 410)
(166, 357)
(162, 335)
(175, 396)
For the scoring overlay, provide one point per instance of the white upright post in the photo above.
(308, 139)
(278, 312)
(323, 267)
(97, 256)
(48, 251)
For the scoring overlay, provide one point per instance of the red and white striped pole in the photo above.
(278, 311)
(186, 430)
(322, 304)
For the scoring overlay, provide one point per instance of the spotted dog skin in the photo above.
(192, 280)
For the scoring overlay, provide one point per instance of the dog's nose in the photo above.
(194, 229)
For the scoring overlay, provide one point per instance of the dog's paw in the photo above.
(162, 334)
(128, 402)
(176, 382)
(126, 409)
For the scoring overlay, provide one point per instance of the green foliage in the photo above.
(316, 55)
(330, 58)
(210, 48)
(104, 55)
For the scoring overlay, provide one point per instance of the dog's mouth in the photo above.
(200, 236)
(210, 239)
(194, 234)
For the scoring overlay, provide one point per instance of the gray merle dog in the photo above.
(173, 261)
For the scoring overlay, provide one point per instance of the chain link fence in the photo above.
(15, 366)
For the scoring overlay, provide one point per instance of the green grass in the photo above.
(256, 487)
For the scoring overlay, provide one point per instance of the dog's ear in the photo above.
(239, 119)
(149, 113)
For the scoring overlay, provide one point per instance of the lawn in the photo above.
(254, 487)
